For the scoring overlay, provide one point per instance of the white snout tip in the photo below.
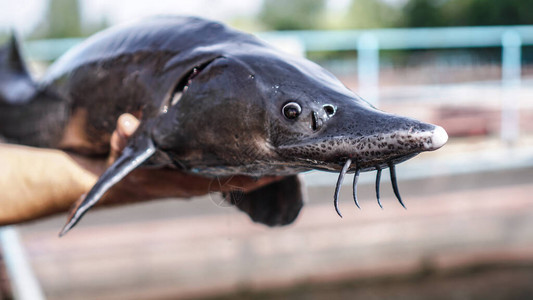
(439, 138)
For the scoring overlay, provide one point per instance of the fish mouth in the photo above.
(371, 152)
(352, 165)
(374, 152)
(438, 138)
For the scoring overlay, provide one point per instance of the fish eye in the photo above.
(291, 110)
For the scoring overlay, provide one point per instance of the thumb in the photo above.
(126, 126)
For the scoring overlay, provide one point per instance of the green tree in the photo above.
(292, 14)
(62, 20)
(428, 13)
(495, 12)
(422, 13)
(363, 14)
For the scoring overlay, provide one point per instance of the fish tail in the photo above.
(29, 115)
(16, 84)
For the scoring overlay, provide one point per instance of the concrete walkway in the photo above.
(178, 249)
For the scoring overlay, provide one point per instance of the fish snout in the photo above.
(439, 137)
(424, 137)
(399, 144)
(393, 140)
(390, 149)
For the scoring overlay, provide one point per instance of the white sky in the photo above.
(21, 15)
(117, 12)
(25, 15)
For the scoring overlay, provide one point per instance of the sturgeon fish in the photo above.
(213, 101)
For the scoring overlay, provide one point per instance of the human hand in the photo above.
(147, 184)
(37, 182)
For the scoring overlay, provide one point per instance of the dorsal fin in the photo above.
(14, 58)
(16, 84)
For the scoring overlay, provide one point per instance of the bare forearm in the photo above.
(36, 182)
(39, 182)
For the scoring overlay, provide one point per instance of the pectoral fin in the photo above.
(132, 157)
(276, 204)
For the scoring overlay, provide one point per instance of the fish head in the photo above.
(261, 112)
(323, 133)
(216, 120)
(316, 122)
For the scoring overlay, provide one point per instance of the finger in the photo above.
(126, 126)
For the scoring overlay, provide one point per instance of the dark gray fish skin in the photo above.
(23, 120)
(212, 102)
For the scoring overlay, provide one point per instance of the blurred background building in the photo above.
(466, 65)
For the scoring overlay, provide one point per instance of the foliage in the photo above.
(311, 14)
(422, 13)
(293, 14)
(62, 20)
(429, 13)
(363, 14)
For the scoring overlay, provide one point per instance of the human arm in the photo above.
(36, 182)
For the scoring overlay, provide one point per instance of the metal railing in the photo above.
(24, 284)
(368, 43)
